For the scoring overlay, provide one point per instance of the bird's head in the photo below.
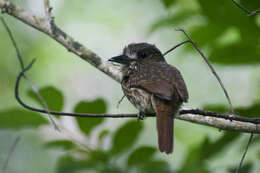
(139, 53)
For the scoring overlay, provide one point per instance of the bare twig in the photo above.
(13, 42)
(174, 47)
(211, 68)
(119, 102)
(244, 154)
(47, 9)
(53, 31)
(34, 87)
(209, 118)
(17, 139)
(249, 13)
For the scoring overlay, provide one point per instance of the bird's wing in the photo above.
(159, 88)
(161, 80)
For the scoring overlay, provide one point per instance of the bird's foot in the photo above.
(140, 116)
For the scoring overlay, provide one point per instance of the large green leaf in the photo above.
(86, 124)
(126, 136)
(16, 119)
(52, 96)
(64, 144)
(141, 156)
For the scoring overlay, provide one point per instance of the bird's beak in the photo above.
(122, 59)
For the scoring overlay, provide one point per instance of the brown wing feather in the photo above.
(160, 79)
(161, 89)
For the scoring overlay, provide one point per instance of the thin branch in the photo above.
(53, 31)
(108, 68)
(249, 13)
(176, 46)
(34, 87)
(209, 118)
(244, 154)
(119, 102)
(13, 42)
(47, 9)
(211, 68)
(17, 139)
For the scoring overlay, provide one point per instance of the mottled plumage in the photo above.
(152, 85)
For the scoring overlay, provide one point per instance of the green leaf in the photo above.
(86, 124)
(205, 35)
(192, 162)
(156, 166)
(209, 149)
(126, 136)
(68, 164)
(245, 54)
(17, 119)
(246, 168)
(141, 156)
(173, 20)
(103, 134)
(196, 157)
(168, 3)
(64, 144)
(52, 96)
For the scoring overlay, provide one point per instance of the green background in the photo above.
(226, 35)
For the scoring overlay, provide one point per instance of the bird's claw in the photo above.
(140, 116)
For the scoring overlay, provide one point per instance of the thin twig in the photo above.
(13, 42)
(17, 139)
(211, 68)
(245, 152)
(249, 13)
(168, 51)
(47, 10)
(191, 111)
(34, 87)
(119, 102)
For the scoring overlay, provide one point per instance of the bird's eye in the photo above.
(141, 54)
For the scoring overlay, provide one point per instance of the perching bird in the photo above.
(153, 86)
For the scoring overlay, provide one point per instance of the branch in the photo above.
(17, 139)
(221, 121)
(249, 13)
(209, 118)
(34, 87)
(53, 31)
(210, 66)
(244, 154)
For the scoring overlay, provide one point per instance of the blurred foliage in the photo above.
(16, 119)
(250, 111)
(218, 18)
(64, 144)
(86, 124)
(230, 37)
(51, 95)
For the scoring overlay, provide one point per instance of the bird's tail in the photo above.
(165, 112)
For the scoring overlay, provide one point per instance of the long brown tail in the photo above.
(165, 124)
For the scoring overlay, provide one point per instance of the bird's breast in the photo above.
(139, 98)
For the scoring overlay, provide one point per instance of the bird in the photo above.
(153, 86)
